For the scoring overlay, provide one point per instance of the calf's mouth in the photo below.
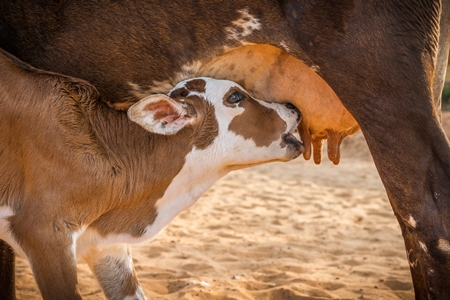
(289, 138)
(294, 146)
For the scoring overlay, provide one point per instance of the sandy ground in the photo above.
(278, 231)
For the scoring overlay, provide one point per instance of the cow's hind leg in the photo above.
(7, 276)
(113, 267)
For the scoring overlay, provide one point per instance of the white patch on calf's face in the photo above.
(216, 92)
(289, 115)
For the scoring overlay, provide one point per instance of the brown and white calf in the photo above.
(79, 179)
(385, 60)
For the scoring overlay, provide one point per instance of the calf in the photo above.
(80, 179)
(385, 60)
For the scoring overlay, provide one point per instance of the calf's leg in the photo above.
(113, 267)
(50, 250)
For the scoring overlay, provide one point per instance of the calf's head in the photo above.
(234, 129)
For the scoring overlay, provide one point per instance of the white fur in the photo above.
(423, 246)
(284, 46)
(188, 70)
(412, 222)
(444, 246)
(243, 26)
(139, 295)
(182, 193)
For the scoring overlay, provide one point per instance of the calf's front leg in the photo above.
(113, 267)
(52, 259)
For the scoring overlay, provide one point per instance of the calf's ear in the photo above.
(161, 114)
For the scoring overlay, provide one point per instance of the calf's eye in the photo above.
(235, 97)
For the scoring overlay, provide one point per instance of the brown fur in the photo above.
(98, 165)
(384, 59)
(249, 130)
(196, 85)
(87, 142)
(76, 171)
(211, 129)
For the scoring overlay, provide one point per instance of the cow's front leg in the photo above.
(113, 267)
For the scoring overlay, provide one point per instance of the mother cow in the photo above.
(385, 60)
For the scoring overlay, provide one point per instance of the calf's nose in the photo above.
(290, 105)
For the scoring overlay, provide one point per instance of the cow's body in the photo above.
(384, 59)
(79, 179)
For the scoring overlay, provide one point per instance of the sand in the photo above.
(278, 231)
